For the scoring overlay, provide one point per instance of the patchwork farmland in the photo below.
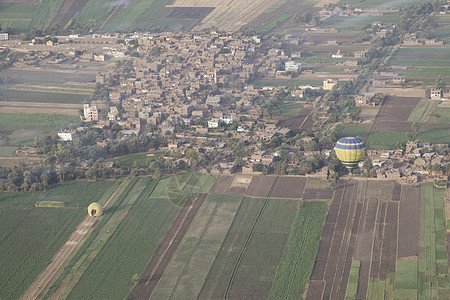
(240, 236)
(381, 241)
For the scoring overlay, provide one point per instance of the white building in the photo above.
(4, 37)
(436, 94)
(292, 66)
(227, 120)
(66, 135)
(213, 123)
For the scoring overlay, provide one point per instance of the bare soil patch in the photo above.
(298, 121)
(167, 248)
(408, 231)
(198, 13)
(394, 114)
(261, 186)
(222, 184)
(288, 187)
(239, 184)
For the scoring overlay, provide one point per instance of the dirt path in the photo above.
(167, 248)
(52, 271)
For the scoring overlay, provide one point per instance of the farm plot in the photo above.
(166, 249)
(40, 108)
(13, 121)
(222, 184)
(394, 114)
(31, 236)
(397, 238)
(239, 184)
(41, 97)
(288, 187)
(229, 16)
(297, 263)
(301, 121)
(317, 189)
(247, 261)
(139, 233)
(191, 263)
(260, 186)
(178, 187)
(423, 63)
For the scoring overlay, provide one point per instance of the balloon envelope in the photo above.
(350, 151)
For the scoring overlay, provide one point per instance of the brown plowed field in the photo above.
(298, 121)
(67, 10)
(167, 248)
(394, 114)
(361, 227)
(408, 231)
(222, 184)
(260, 186)
(317, 193)
(389, 254)
(288, 187)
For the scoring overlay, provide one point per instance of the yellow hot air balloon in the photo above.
(350, 151)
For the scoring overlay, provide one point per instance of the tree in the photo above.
(440, 84)
(192, 155)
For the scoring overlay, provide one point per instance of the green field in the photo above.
(387, 140)
(418, 111)
(297, 263)
(139, 219)
(25, 96)
(31, 236)
(137, 14)
(189, 267)
(352, 285)
(128, 160)
(289, 108)
(35, 121)
(141, 230)
(361, 130)
(246, 261)
(425, 276)
(21, 17)
(354, 23)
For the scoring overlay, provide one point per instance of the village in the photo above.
(197, 90)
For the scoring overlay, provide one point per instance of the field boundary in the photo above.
(40, 286)
(166, 249)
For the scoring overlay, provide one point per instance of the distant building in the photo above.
(436, 94)
(66, 135)
(90, 112)
(329, 84)
(213, 123)
(292, 66)
(4, 37)
(337, 55)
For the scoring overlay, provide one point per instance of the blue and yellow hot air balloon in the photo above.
(350, 151)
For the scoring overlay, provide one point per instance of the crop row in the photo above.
(298, 260)
(129, 249)
(29, 244)
(194, 257)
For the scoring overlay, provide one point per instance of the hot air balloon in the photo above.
(350, 151)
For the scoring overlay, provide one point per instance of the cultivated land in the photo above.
(190, 236)
(31, 236)
(206, 236)
(389, 239)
